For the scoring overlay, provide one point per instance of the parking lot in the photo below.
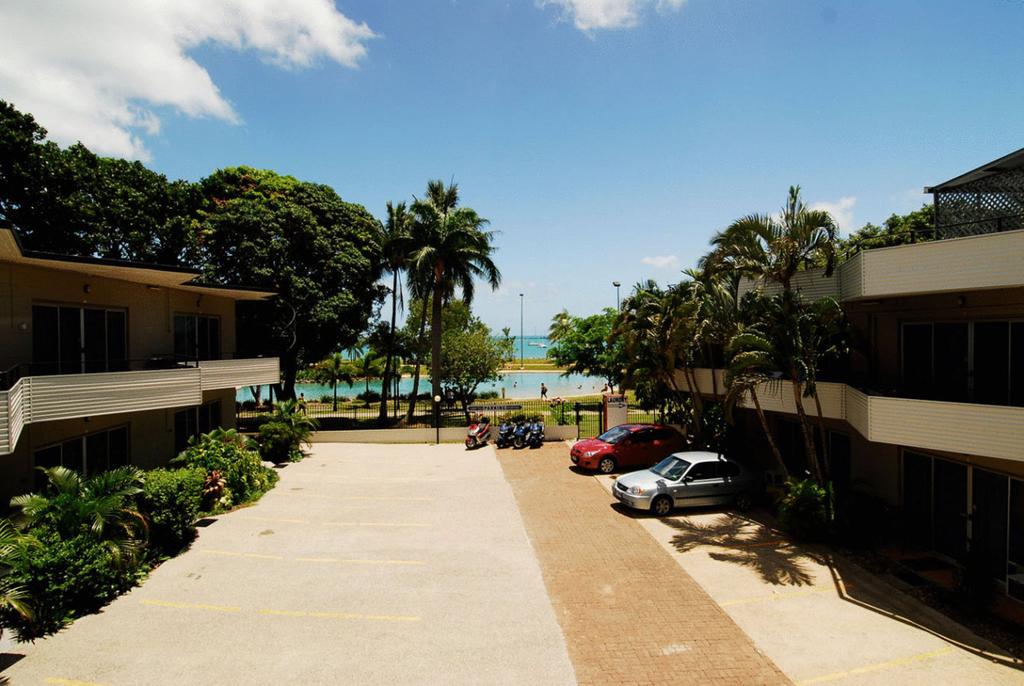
(366, 564)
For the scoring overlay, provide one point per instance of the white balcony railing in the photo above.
(969, 428)
(35, 399)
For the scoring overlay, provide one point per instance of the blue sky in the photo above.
(593, 148)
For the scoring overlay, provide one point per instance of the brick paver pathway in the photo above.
(629, 613)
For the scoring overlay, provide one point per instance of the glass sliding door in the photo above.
(1015, 564)
(992, 363)
(917, 360)
(990, 500)
(196, 337)
(72, 340)
(1017, 364)
(952, 361)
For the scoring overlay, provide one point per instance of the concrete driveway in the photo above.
(367, 564)
(818, 617)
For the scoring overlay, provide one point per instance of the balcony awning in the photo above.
(159, 276)
(1015, 160)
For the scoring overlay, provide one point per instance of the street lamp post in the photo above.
(522, 343)
(616, 284)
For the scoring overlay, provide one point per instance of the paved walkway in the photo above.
(629, 614)
(366, 565)
(821, 619)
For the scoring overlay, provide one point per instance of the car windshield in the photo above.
(614, 435)
(671, 467)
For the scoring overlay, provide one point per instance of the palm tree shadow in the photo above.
(749, 544)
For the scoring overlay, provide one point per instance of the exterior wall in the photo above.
(150, 311)
(151, 440)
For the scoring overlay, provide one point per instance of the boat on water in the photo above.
(536, 345)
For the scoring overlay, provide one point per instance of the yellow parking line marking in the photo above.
(360, 562)
(339, 615)
(70, 682)
(230, 553)
(780, 596)
(374, 524)
(191, 606)
(274, 519)
(889, 664)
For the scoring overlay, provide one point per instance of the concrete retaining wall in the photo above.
(452, 435)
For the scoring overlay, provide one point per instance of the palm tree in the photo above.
(300, 426)
(770, 248)
(561, 325)
(332, 370)
(451, 245)
(103, 504)
(367, 367)
(749, 368)
(396, 249)
(13, 545)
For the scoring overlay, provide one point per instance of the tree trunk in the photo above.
(825, 466)
(335, 396)
(691, 387)
(416, 374)
(768, 433)
(805, 427)
(435, 331)
(383, 416)
(289, 369)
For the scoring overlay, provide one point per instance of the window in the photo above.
(193, 421)
(643, 436)
(196, 337)
(730, 470)
(663, 434)
(980, 362)
(72, 340)
(89, 454)
(705, 470)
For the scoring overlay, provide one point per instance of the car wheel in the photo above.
(744, 501)
(661, 506)
(606, 465)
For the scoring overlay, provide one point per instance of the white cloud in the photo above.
(590, 15)
(661, 261)
(841, 210)
(92, 70)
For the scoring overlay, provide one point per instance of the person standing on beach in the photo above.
(543, 391)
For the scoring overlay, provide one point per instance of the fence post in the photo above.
(577, 408)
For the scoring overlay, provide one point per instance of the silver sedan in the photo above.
(689, 479)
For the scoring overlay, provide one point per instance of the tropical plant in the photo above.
(332, 370)
(14, 597)
(451, 245)
(287, 430)
(245, 477)
(102, 505)
(172, 500)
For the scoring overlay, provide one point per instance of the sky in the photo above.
(605, 140)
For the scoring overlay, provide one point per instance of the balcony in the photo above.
(974, 429)
(32, 398)
(993, 260)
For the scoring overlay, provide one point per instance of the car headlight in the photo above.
(636, 490)
(591, 453)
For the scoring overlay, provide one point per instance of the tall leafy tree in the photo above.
(322, 255)
(395, 248)
(450, 244)
(470, 356)
(585, 346)
(332, 370)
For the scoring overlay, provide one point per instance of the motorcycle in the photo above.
(505, 435)
(519, 435)
(479, 433)
(535, 437)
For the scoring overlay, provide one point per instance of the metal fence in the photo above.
(585, 413)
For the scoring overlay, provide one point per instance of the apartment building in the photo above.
(110, 363)
(929, 415)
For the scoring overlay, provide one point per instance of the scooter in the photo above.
(519, 435)
(479, 433)
(535, 438)
(505, 435)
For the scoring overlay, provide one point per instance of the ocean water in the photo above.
(514, 383)
(533, 347)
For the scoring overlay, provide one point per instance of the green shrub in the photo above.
(369, 396)
(172, 499)
(487, 395)
(277, 443)
(243, 472)
(67, 579)
(803, 509)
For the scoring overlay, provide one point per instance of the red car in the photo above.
(627, 445)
